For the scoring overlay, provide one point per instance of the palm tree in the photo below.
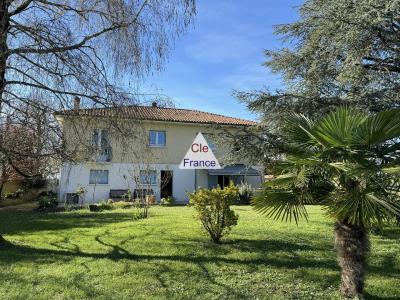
(349, 162)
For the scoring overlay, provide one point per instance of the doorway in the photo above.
(166, 183)
(223, 181)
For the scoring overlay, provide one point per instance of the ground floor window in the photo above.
(148, 177)
(98, 177)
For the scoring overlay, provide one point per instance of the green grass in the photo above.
(109, 255)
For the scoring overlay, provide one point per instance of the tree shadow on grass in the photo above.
(262, 247)
(270, 245)
(34, 221)
(378, 297)
(392, 233)
(117, 252)
(387, 267)
(306, 268)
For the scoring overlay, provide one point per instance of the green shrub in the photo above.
(213, 210)
(111, 204)
(49, 201)
(105, 205)
(13, 195)
(9, 196)
(168, 201)
(128, 196)
(122, 204)
(246, 192)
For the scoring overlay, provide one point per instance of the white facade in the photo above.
(123, 176)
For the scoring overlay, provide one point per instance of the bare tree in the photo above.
(22, 140)
(56, 50)
(143, 173)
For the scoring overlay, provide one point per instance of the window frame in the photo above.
(157, 145)
(99, 170)
(151, 182)
(100, 138)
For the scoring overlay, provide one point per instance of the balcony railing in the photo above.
(105, 155)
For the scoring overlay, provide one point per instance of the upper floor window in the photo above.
(157, 138)
(148, 177)
(101, 142)
(101, 138)
(98, 177)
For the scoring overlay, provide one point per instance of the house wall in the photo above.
(131, 144)
(131, 152)
(122, 176)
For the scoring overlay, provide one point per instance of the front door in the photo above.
(166, 183)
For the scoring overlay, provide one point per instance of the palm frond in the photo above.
(362, 209)
(299, 131)
(281, 180)
(348, 159)
(281, 205)
(303, 160)
(337, 128)
(379, 128)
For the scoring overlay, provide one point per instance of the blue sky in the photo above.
(224, 51)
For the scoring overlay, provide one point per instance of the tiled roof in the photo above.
(158, 114)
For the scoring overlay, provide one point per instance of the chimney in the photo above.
(77, 102)
(154, 104)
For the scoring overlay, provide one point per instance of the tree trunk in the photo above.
(1, 188)
(4, 27)
(352, 246)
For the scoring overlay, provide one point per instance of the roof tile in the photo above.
(158, 114)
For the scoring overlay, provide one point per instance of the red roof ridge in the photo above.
(226, 120)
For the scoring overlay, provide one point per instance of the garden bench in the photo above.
(118, 194)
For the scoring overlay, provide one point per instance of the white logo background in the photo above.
(197, 158)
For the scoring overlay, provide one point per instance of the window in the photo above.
(157, 138)
(101, 143)
(105, 139)
(148, 177)
(101, 138)
(98, 177)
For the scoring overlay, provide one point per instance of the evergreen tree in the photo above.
(338, 52)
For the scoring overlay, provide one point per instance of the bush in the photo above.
(213, 210)
(168, 201)
(122, 204)
(47, 202)
(13, 195)
(9, 196)
(128, 196)
(105, 205)
(246, 192)
(110, 205)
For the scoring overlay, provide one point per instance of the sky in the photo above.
(222, 52)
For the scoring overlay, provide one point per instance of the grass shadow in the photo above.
(35, 221)
(117, 252)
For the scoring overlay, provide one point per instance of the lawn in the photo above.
(109, 255)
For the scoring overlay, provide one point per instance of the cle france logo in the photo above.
(199, 155)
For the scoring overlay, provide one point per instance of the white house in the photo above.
(139, 148)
